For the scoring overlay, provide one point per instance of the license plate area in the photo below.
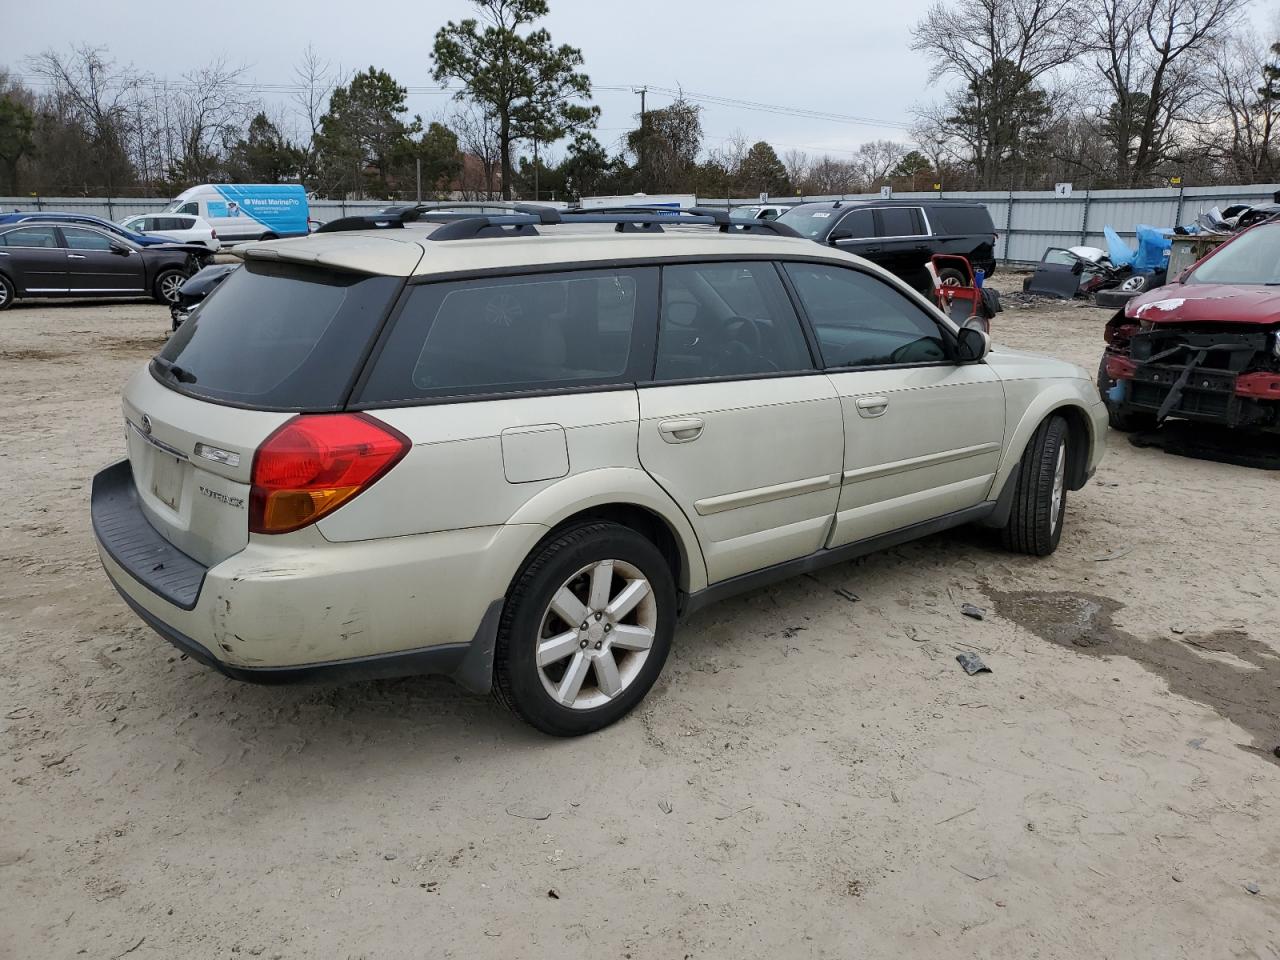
(166, 479)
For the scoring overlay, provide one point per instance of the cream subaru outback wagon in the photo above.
(517, 448)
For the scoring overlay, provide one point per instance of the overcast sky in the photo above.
(845, 57)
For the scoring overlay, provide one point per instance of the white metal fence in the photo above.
(1027, 221)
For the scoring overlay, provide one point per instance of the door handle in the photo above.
(681, 429)
(871, 406)
(76, 256)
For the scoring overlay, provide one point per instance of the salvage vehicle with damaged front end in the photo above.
(1205, 348)
(517, 449)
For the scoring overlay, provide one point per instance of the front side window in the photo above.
(193, 208)
(857, 225)
(31, 237)
(78, 238)
(727, 319)
(514, 333)
(861, 321)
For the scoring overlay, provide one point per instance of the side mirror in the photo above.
(840, 233)
(120, 250)
(972, 344)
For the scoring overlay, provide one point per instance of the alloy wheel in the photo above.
(169, 287)
(1059, 486)
(596, 634)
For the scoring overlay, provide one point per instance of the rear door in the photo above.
(98, 263)
(277, 339)
(922, 433)
(737, 424)
(34, 258)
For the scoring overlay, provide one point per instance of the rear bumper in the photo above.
(297, 607)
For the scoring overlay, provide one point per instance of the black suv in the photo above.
(901, 235)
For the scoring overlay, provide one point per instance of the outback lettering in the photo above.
(237, 502)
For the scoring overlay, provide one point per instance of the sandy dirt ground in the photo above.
(812, 776)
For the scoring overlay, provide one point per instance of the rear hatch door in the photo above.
(274, 340)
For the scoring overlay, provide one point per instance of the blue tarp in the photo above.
(1154, 244)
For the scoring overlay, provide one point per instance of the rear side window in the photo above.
(31, 237)
(952, 220)
(727, 320)
(484, 336)
(900, 222)
(278, 337)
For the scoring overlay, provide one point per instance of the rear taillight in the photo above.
(314, 464)
(214, 234)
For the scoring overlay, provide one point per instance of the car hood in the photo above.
(1207, 303)
(1010, 364)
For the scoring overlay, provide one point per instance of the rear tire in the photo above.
(1114, 298)
(1040, 497)
(585, 572)
(167, 285)
(7, 293)
(268, 236)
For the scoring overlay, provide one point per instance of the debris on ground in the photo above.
(972, 663)
(976, 613)
(1253, 888)
(528, 811)
(848, 594)
(664, 806)
(553, 894)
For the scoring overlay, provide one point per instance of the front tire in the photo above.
(7, 293)
(1040, 497)
(167, 285)
(585, 630)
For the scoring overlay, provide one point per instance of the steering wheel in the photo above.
(742, 331)
(745, 344)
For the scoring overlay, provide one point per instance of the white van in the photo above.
(247, 211)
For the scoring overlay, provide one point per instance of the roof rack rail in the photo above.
(421, 211)
(376, 221)
(470, 228)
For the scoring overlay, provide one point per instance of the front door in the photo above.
(97, 263)
(738, 425)
(35, 259)
(923, 433)
(904, 244)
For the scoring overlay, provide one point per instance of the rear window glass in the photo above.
(947, 220)
(514, 333)
(278, 337)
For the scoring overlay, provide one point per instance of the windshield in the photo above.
(743, 213)
(1252, 257)
(278, 337)
(810, 222)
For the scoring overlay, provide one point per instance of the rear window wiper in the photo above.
(175, 371)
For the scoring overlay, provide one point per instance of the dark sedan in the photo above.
(48, 259)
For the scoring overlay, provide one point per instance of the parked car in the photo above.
(73, 260)
(180, 227)
(196, 288)
(1204, 348)
(247, 211)
(88, 220)
(519, 459)
(765, 211)
(901, 235)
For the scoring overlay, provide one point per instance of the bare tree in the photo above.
(876, 158)
(477, 131)
(999, 50)
(1153, 55)
(1241, 136)
(210, 108)
(316, 81)
(828, 176)
(88, 90)
(797, 164)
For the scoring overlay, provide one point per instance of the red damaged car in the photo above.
(1204, 348)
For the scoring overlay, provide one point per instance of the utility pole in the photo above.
(642, 91)
(535, 169)
(418, 164)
